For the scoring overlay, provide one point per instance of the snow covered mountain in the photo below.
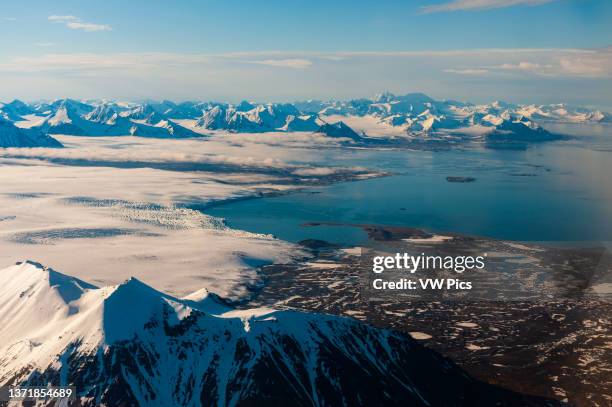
(422, 118)
(132, 345)
(169, 109)
(15, 110)
(563, 113)
(302, 123)
(404, 109)
(249, 118)
(415, 116)
(13, 136)
(109, 120)
(146, 113)
(515, 129)
(68, 119)
(338, 130)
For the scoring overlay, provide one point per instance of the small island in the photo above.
(460, 179)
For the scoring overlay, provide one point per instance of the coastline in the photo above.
(510, 343)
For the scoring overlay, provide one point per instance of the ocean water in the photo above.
(552, 192)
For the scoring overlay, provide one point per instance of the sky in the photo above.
(521, 51)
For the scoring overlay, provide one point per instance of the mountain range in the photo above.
(133, 345)
(415, 116)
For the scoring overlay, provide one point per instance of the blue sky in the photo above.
(517, 50)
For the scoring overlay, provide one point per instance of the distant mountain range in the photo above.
(132, 345)
(404, 109)
(415, 115)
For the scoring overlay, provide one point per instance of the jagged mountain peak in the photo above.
(132, 345)
(73, 106)
(500, 105)
(68, 288)
(103, 113)
(13, 136)
(131, 305)
(15, 110)
(338, 129)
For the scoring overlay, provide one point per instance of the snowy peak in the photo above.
(109, 119)
(563, 113)
(162, 129)
(510, 131)
(62, 116)
(15, 110)
(256, 118)
(36, 302)
(67, 118)
(206, 301)
(72, 106)
(213, 119)
(67, 288)
(147, 113)
(104, 113)
(13, 136)
(302, 123)
(338, 130)
(128, 307)
(132, 345)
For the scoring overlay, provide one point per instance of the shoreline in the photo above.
(506, 343)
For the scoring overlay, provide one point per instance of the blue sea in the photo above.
(551, 192)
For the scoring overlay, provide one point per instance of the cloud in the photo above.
(62, 19)
(535, 75)
(9, 18)
(559, 62)
(75, 23)
(457, 5)
(296, 63)
(569, 63)
(82, 63)
(525, 66)
(158, 153)
(45, 44)
(88, 26)
(467, 71)
(596, 64)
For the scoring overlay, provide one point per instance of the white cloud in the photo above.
(525, 66)
(538, 75)
(75, 23)
(62, 19)
(296, 63)
(596, 64)
(457, 5)
(467, 71)
(559, 62)
(569, 63)
(9, 18)
(45, 44)
(88, 26)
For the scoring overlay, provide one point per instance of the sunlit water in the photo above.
(559, 191)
